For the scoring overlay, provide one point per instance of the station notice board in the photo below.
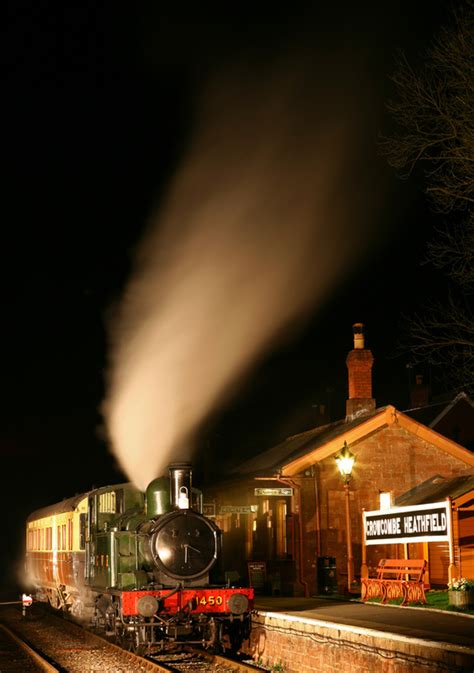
(257, 575)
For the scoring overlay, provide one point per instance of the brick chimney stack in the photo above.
(359, 365)
(420, 392)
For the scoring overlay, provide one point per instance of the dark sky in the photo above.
(99, 108)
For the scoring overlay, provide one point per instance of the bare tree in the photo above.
(434, 116)
(442, 334)
(434, 112)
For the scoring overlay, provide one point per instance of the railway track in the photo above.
(201, 661)
(56, 644)
(66, 647)
(28, 659)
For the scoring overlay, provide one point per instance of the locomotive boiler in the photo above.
(145, 567)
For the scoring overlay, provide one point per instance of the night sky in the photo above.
(99, 110)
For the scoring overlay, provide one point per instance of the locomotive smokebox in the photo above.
(180, 485)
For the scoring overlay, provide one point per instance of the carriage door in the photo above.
(90, 537)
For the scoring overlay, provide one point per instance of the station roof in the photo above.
(300, 451)
(274, 458)
(435, 489)
(432, 414)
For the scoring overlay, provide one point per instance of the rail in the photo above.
(38, 658)
(201, 661)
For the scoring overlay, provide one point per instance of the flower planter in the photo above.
(461, 599)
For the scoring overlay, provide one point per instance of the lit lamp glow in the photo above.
(345, 460)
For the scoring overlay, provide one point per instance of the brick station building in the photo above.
(285, 507)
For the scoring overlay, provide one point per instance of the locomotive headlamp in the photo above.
(183, 498)
(147, 606)
(238, 604)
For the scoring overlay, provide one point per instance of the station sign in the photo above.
(274, 491)
(209, 509)
(237, 509)
(416, 523)
(257, 575)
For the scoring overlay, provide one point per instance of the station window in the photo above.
(281, 539)
(224, 521)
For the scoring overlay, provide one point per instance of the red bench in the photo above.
(396, 578)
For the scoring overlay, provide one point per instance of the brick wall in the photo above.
(308, 646)
(392, 459)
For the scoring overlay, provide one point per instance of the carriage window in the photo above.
(49, 538)
(64, 536)
(69, 533)
(58, 538)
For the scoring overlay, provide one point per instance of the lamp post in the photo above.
(345, 460)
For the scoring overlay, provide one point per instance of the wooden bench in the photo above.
(396, 578)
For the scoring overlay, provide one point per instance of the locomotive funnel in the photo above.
(180, 485)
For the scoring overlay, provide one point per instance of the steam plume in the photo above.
(262, 217)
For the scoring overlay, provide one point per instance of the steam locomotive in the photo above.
(144, 567)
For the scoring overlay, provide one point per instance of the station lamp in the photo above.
(345, 460)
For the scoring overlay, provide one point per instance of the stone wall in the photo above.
(297, 645)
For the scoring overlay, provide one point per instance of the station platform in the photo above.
(324, 634)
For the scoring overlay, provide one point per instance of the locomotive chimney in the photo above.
(180, 485)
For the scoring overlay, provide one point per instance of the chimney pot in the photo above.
(358, 329)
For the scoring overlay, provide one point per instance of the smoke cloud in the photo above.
(265, 213)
